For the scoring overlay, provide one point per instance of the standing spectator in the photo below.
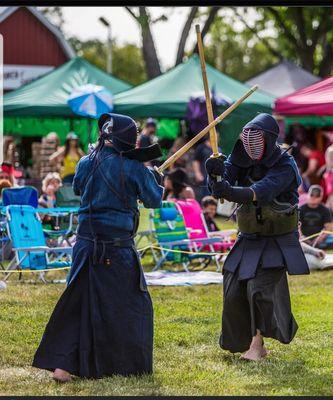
(315, 160)
(69, 155)
(148, 135)
(315, 216)
(202, 152)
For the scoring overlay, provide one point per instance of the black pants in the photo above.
(262, 302)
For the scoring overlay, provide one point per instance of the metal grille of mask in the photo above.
(254, 143)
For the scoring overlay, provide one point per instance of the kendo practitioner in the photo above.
(103, 322)
(263, 179)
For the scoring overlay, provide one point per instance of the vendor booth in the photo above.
(168, 95)
(41, 106)
(309, 112)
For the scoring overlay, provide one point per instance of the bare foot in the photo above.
(62, 376)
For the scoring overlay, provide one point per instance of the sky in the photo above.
(84, 23)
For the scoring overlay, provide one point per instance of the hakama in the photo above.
(103, 322)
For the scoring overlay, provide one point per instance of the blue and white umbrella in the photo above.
(90, 100)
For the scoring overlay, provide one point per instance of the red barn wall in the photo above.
(28, 42)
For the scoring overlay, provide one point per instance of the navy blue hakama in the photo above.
(103, 322)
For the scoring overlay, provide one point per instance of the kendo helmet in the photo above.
(122, 132)
(259, 136)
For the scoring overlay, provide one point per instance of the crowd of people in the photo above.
(186, 179)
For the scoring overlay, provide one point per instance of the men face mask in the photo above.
(254, 143)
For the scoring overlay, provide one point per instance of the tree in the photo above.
(127, 63)
(55, 15)
(234, 51)
(303, 34)
(143, 18)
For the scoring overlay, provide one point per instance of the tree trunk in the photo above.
(184, 35)
(148, 47)
(326, 65)
(212, 14)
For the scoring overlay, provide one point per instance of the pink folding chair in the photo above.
(195, 221)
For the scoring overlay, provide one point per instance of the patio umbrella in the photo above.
(90, 101)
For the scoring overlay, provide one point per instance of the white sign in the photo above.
(15, 76)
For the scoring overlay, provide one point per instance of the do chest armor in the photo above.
(275, 218)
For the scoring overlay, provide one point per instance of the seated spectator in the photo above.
(326, 173)
(8, 172)
(4, 183)
(209, 208)
(315, 160)
(315, 216)
(176, 185)
(314, 257)
(50, 185)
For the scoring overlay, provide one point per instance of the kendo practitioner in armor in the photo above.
(103, 322)
(263, 179)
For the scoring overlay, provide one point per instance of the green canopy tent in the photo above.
(167, 96)
(41, 106)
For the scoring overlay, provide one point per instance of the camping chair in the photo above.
(29, 245)
(195, 220)
(25, 195)
(145, 235)
(172, 236)
(28, 195)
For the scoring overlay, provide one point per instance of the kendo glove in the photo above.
(215, 166)
(224, 190)
(158, 176)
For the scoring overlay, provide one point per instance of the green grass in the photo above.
(187, 357)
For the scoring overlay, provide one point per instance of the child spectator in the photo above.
(315, 216)
(4, 183)
(209, 208)
(50, 185)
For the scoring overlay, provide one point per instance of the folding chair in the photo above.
(28, 195)
(195, 221)
(173, 238)
(29, 244)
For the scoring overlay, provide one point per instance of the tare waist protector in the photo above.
(268, 220)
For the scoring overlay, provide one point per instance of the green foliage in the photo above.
(236, 53)
(127, 61)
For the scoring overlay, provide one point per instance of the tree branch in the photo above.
(212, 14)
(184, 35)
(280, 21)
(256, 33)
(132, 13)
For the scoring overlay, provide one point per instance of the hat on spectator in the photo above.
(8, 168)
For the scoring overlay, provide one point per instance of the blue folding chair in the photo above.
(25, 195)
(28, 195)
(29, 244)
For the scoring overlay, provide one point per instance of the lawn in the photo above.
(187, 358)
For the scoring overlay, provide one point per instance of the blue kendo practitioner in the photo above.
(263, 180)
(103, 323)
